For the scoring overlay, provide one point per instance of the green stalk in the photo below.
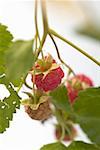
(74, 46)
(45, 27)
(63, 133)
(27, 85)
(44, 15)
(36, 22)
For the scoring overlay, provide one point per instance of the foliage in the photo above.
(8, 106)
(87, 111)
(5, 41)
(19, 60)
(78, 145)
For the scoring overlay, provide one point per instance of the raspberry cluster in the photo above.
(46, 75)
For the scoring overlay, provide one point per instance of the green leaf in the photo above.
(87, 111)
(7, 107)
(60, 98)
(5, 41)
(3, 80)
(78, 145)
(19, 60)
(5, 38)
(90, 30)
(54, 146)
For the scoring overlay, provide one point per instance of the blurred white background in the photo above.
(64, 17)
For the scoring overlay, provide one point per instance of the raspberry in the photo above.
(50, 81)
(67, 137)
(48, 78)
(76, 84)
(42, 113)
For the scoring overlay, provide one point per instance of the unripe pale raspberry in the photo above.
(42, 113)
(76, 84)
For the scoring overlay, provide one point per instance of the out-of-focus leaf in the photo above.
(19, 60)
(91, 31)
(60, 98)
(54, 146)
(78, 145)
(5, 40)
(87, 111)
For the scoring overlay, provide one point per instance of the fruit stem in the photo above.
(27, 85)
(62, 123)
(20, 86)
(61, 60)
(34, 91)
(63, 133)
(74, 46)
(67, 129)
(37, 37)
(44, 15)
(36, 26)
(36, 23)
(45, 27)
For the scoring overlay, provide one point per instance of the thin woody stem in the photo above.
(59, 54)
(74, 46)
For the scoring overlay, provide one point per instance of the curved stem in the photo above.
(62, 133)
(59, 55)
(74, 46)
(27, 85)
(62, 123)
(41, 45)
(20, 86)
(36, 23)
(68, 130)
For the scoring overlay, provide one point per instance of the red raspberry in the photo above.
(48, 74)
(67, 137)
(77, 83)
(50, 81)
